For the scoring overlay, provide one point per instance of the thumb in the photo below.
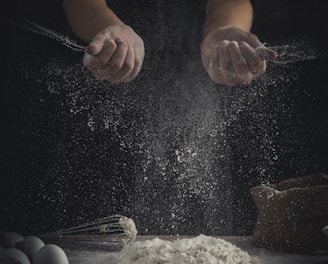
(263, 51)
(266, 53)
(96, 45)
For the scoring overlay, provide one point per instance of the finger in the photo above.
(266, 53)
(213, 66)
(229, 75)
(239, 63)
(107, 52)
(96, 45)
(224, 59)
(110, 72)
(138, 59)
(253, 40)
(102, 58)
(126, 68)
(254, 61)
(117, 60)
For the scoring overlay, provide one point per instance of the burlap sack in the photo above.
(292, 214)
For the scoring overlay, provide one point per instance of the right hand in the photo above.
(115, 54)
(232, 56)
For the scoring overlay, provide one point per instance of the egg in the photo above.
(30, 245)
(325, 230)
(50, 254)
(9, 239)
(15, 254)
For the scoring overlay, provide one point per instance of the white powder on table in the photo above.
(197, 250)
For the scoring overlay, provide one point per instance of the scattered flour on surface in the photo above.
(197, 250)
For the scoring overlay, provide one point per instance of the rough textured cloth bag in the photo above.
(292, 214)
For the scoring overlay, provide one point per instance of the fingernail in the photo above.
(91, 49)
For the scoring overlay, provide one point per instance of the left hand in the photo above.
(115, 54)
(232, 56)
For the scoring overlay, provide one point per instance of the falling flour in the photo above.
(200, 249)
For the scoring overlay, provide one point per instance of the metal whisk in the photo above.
(110, 233)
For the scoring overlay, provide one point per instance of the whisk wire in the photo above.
(110, 233)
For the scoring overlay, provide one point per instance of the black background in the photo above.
(74, 149)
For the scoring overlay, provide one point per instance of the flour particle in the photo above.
(200, 249)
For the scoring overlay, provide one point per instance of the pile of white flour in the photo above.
(197, 250)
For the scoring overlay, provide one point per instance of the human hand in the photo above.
(115, 54)
(232, 56)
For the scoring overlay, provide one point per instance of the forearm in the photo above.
(88, 17)
(223, 13)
